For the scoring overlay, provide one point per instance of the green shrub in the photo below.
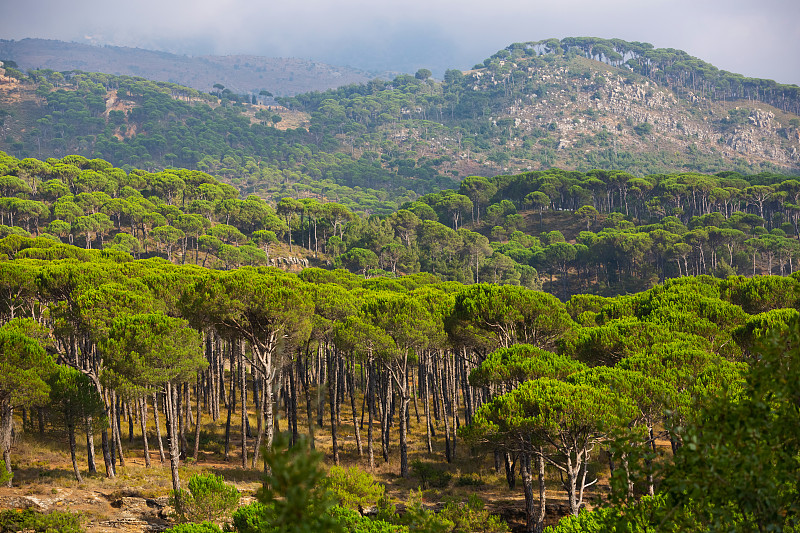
(209, 498)
(253, 518)
(353, 522)
(353, 488)
(430, 476)
(5, 476)
(469, 480)
(31, 521)
(472, 517)
(419, 519)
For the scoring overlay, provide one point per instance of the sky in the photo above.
(754, 38)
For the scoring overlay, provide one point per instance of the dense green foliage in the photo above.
(607, 231)
(12, 521)
(209, 498)
(661, 364)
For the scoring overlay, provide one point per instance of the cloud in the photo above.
(753, 38)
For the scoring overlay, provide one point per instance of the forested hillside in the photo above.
(602, 232)
(532, 106)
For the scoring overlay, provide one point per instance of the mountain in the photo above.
(576, 104)
(239, 73)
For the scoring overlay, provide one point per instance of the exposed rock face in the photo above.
(105, 513)
(589, 107)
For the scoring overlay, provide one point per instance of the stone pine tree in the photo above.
(565, 420)
(155, 351)
(74, 398)
(24, 366)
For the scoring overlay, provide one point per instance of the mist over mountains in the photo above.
(239, 73)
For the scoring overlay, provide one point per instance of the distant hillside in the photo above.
(376, 145)
(239, 73)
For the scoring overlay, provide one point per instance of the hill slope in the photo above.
(528, 107)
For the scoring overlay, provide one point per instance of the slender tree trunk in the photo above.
(197, 421)
(510, 467)
(423, 378)
(403, 415)
(332, 401)
(292, 378)
(72, 448)
(371, 409)
(172, 435)
(309, 415)
(90, 445)
(264, 411)
(542, 491)
(116, 433)
(143, 424)
(157, 423)
(355, 412)
(243, 403)
(130, 421)
(527, 484)
(447, 448)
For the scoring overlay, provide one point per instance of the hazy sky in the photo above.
(757, 38)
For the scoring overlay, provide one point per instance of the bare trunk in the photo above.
(90, 446)
(143, 424)
(332, 403)
(355, 415)
(172, 435)
(197, 421)
(72, 447)
(157, 423)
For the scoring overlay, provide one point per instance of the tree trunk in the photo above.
(542, 491)
(243, 403)
(403, 415)
(115, 432)
(371, 409)
(332, 402)
(355, 412)
(143, 424)
(6, 425)
(527, 484)
(172, 435)
(157, 423)
(72, 447)
(197, 421)
(309, 415)
(90, 445)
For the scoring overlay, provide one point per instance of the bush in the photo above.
(353, 488)
(5, 475)
(472, 516)
(353, 522)
(430, 476)
(419, 519)
(209, 498)
(469, 480)
(253, 518)
(33, 522)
